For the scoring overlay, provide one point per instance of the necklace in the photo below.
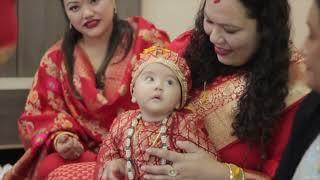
(128, 144)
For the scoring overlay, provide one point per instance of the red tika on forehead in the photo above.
(216, 1)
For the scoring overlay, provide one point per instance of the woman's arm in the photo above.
(46, 113)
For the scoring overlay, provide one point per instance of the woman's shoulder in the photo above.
(54, 52)
(57, 46)
(180, 43)
(147, 31)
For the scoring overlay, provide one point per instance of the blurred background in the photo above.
(41, 23)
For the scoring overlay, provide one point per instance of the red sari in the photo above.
(216, 104)
(182, 126)
(53, 106)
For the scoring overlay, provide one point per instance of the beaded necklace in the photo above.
(127, 145)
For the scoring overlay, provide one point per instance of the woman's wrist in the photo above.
(220, 172)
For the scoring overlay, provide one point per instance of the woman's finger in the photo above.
(165, 154)
(157, 177)
(160, 170)
(104, 175)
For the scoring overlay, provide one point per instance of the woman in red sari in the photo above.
(247, 85)
(81, 85)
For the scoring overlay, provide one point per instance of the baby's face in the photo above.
(157, 89)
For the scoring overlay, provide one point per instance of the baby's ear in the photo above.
(133, 99)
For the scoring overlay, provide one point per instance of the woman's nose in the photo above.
(216, 36)
(87, 12)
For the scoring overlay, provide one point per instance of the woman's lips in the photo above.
(91, 24)
(221, 51)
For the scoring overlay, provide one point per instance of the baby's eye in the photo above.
(170, 82)
(149, 78)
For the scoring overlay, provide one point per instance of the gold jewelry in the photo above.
(133, 99)
(236, 173)
(128, 148)
(115, 6)
(172, 172)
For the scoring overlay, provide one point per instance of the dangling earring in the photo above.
(178, 106)
(115, 7)
(70, 26)
(133, 99)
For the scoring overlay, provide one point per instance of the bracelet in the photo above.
(55, 141)
(236, 173)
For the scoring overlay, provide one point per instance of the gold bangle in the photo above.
(55, 141)
(236, 173)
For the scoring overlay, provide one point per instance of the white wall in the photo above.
(176, 16)
(299, 9)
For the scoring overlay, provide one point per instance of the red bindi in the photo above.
(216, 1)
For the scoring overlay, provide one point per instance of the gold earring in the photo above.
(70, 26)
(133, 100)
(115, 6)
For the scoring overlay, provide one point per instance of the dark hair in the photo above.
(121, 29)
(263, 101)
(318, 3)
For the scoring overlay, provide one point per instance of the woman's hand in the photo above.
(195, 164)
(69, 147)
(114, 170)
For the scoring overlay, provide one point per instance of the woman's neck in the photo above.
(96, 48)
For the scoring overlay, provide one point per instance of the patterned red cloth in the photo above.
(217, 102)
(53, 106)
(181, 126)
(77, 171)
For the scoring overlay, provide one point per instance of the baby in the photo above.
(160, 83)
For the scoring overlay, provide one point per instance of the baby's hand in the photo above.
(114, 170)
(69, 147)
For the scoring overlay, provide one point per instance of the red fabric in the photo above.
(76, 171)
(8, 21)
(238, 152)
(53, 105)
(253, 160)
(54, 160)
(181, 126)
(180, 44)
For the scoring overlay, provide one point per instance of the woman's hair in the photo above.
(263, 101)
(121, 29)
(318, 3)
